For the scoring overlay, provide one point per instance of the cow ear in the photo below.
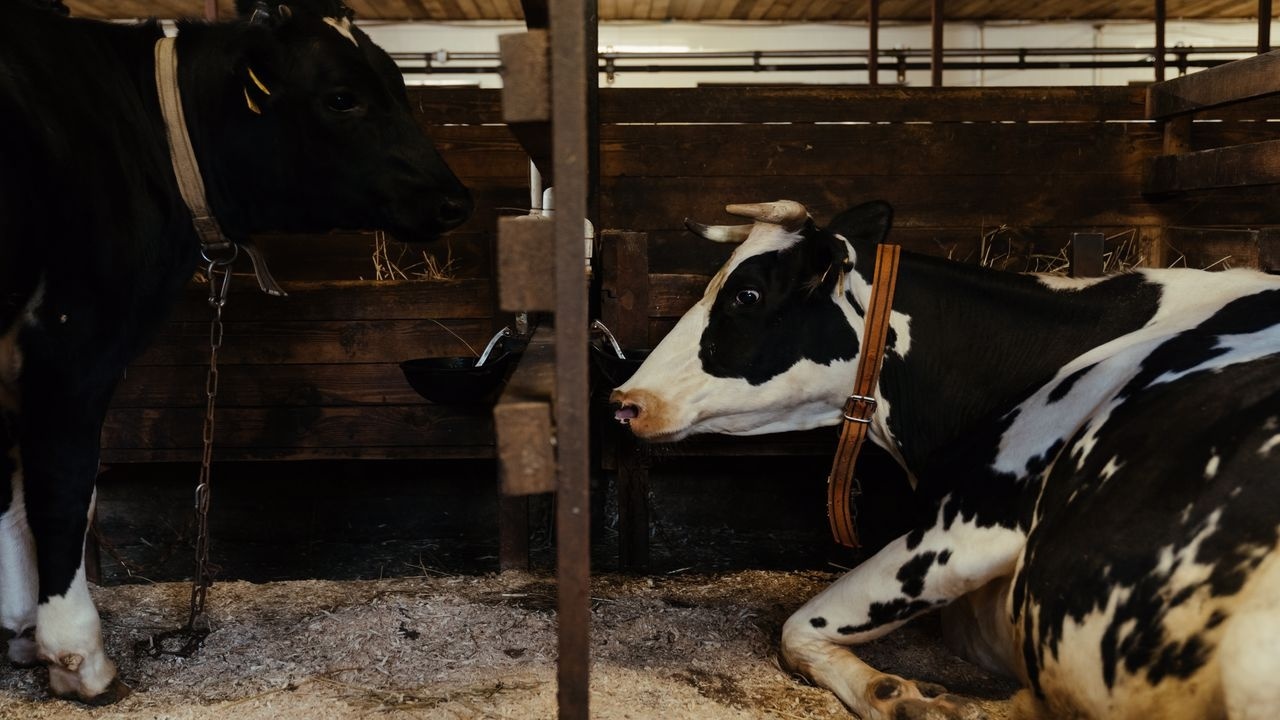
(264, 12)
(865, 225)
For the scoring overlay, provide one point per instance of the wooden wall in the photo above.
(1002, 173)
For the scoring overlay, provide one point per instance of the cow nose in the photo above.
(625, 413)
(452, 212)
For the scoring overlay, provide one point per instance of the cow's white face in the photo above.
(770, 347)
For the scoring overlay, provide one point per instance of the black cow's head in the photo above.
(772, 343)
(310, 127)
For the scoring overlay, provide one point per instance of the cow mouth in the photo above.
(646, 416)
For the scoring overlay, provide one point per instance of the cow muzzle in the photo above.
(645, 413)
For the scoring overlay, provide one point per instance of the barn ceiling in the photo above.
(793, 10)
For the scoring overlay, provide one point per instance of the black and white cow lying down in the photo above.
(299, 123)
(1101, 456)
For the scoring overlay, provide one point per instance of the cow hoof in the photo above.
(900, 699)
(943, 707)
(20, 647)
(65, 682)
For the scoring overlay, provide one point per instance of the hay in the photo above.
(471, 647)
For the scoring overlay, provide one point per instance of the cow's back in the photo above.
(86, 193)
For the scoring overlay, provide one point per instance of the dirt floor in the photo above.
(671, 646)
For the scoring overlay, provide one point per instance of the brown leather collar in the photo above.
(860, 407)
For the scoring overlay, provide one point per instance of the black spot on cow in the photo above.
(1060, 390)
(913, 572)
(944, 557)
(818, 622)
(883, 613)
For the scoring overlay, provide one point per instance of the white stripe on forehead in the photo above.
(343, 26)
(764, 238)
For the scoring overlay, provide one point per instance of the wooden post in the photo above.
(1264, 26)
(873, 45)
(935, 58)
(1160, 43)
(1086, 254)
(568, 20)
(624, 280)
(211, 10)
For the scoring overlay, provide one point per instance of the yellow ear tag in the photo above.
(252, 105)
(258, 82)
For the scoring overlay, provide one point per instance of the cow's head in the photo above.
(772, 343)
(310, 127)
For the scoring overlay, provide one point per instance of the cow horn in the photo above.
(719, 233)
(787, 213)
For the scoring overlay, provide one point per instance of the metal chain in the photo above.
(197, 627)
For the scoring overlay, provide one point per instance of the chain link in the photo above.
(197, 627)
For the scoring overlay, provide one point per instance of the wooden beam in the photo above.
(525, 262)
(573, 66)
(522, 422)
(1087, 254)
(935, 58)
(1255, 77)
(1235, 166)
(211, 10)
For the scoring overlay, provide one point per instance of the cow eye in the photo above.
(746, 298)
(342, 102)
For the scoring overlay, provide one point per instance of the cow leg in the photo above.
(900, 582)
(17, 553)
(60, 461)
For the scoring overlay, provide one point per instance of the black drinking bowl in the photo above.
(614, 369)
(457, 380)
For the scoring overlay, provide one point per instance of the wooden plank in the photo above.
(920, 201)
(522, 418)
(526, 262)
(964, 149)
(1086, 254)
(1238, 81)
(513, 533)
(1220, 247)
(306, 342)
(867, 104)
(345, 300)
(112, 455)
(526, 89)
(937, 19)
(384, 426)
(267, 386)
(1235, 166)
(624, 286)
(681, 252)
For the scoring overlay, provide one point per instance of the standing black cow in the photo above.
(299, 123)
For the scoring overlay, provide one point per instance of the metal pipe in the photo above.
(1160, 22)
(935, 62)
(1264, 26)
(873, 44)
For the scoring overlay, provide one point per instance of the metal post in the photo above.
(1160, 45)
(935, 60)
(569, 133)
(1264, 26)
(873, 48)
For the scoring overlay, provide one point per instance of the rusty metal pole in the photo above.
(1264, 26)
(569, 133)
(1160, 43)
(935, 57)
(873, 48)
